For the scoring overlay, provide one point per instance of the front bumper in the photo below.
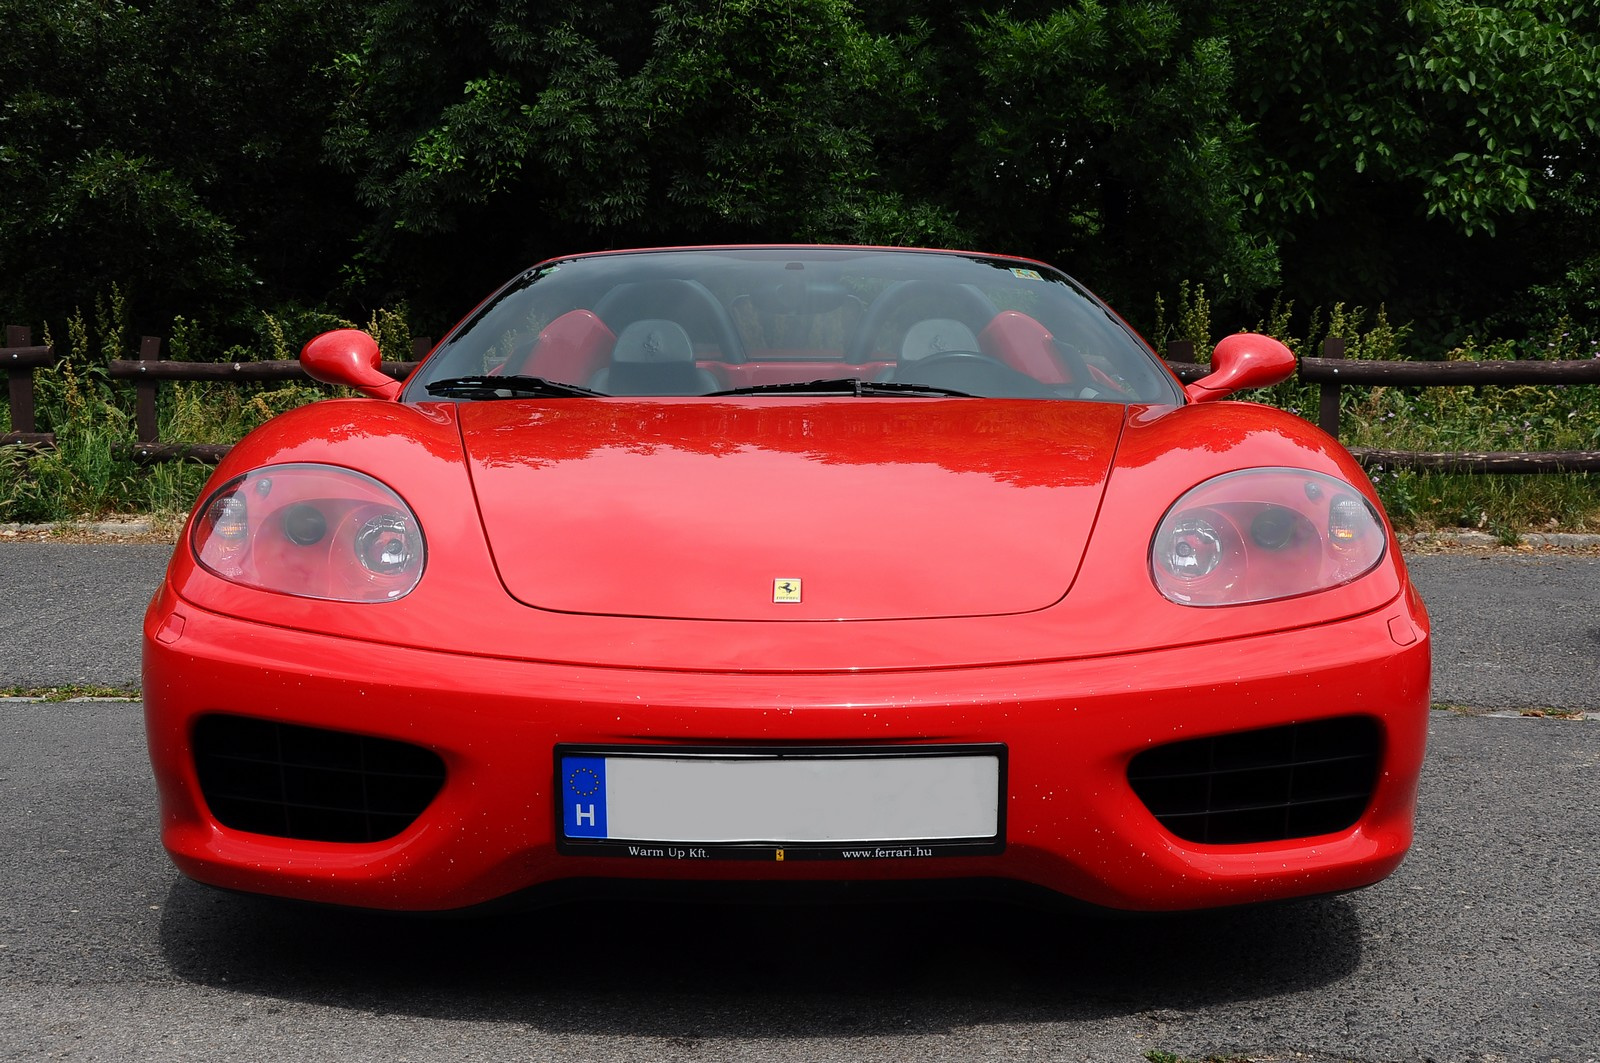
(1073, 824)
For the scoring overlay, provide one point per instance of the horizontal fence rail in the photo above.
(245, 372)
(1476, 461)
(149, 370)
(1447, 374)
(1332, 372)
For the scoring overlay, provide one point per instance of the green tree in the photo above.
(1104, 136)
(168, 147)
(514, 129)
(1093, 132)
(1437, 154)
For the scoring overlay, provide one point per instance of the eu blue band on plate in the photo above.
(583, 796)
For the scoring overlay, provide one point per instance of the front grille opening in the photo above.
(310, 783)
(1259, 786)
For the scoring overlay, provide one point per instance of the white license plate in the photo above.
(796, 799)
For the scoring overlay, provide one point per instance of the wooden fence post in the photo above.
(1328, 413)
(145, 412)
(1180, 359)
(19, 381)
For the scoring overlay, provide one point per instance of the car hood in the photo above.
(782, 509)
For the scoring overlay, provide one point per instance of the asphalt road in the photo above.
(1483, 947)
(69, 613)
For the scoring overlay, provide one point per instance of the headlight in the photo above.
(316, 531)
(1263, 534)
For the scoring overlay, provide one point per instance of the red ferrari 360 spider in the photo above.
(787, 565)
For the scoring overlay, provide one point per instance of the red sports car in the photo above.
(787, 565)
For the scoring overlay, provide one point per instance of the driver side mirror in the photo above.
(1240, 362)
(350, 358)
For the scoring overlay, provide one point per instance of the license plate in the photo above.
(795, 804)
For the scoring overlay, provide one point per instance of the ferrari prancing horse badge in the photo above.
(785, 590)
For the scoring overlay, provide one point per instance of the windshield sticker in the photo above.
(1027, 274)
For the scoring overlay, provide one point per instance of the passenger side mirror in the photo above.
(350, 358)
(1240, 362)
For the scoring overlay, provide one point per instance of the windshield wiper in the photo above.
(845, 385)
(506, 387)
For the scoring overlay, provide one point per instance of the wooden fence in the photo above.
(149, 370)
(20, 359)
(1332, 371)
(147, 373)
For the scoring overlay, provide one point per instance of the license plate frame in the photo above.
(945, 788)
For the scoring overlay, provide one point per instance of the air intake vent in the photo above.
(1258, 786)
(309, 783)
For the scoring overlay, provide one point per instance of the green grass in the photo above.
(69, 693)
(1447, 419)
(89, 473)
(86, 477)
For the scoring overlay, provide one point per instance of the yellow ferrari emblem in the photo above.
(780, 854)
(786, 590)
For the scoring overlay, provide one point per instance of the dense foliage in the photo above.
(172, 149)
(1437, 156)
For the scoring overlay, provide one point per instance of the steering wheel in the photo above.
(962, 302)
(975, 373)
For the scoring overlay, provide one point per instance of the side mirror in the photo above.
(350, 358)
(1240, 362)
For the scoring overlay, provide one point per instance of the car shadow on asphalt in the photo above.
(722, 971)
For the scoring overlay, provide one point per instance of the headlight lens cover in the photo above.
(1263, 534)
(314, 531)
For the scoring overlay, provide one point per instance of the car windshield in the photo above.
(793, 321)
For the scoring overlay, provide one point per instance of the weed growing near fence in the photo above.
(75, 400)
(1523, 417)
(90, 472)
